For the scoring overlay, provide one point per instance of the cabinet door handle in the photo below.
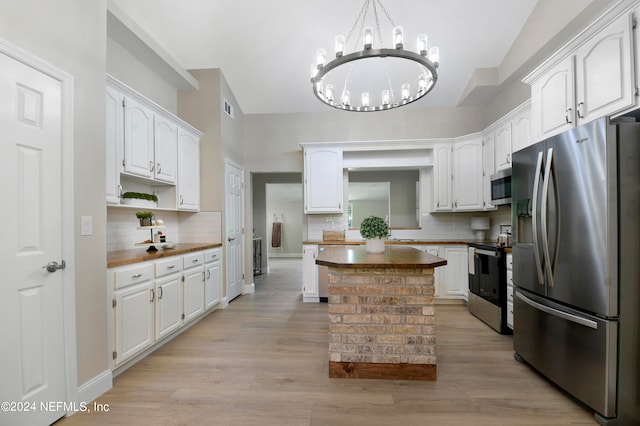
(159, 168)
(181, 200)
(151, 166)
(119, 190)
(160, 293)
(566, 115)
(153, 296)
(579, 109)
(208, 274)
(508, 158)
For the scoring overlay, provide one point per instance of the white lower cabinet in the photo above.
(168, 305)
(510, 290)
(133, 311)
(155, 299)
(452, 280)
(310, 273)
(193, 286)
(213, 278)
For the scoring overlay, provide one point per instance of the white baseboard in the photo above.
(95, 387)
(249, 288)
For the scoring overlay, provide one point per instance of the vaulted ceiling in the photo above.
(265, 48)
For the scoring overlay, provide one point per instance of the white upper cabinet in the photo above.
(188, 170)
(502, 147)
(138, 139)
(443, 177)
(521, 130)
(457, 172)
(592, 81)
(323, 180)
(114, 142)
(604, 81)
(488, 159)
(143, 154)
(552, 101)
(165, 150)
(467, 174)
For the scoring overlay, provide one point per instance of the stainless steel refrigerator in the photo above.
(576, 264)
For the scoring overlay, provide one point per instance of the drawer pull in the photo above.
(171, 267)
(195, 261)
(136, 276)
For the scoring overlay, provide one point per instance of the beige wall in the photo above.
(71, 35)
(125, 67)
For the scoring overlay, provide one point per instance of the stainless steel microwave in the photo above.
(501, 187)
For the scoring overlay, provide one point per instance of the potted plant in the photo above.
(374, 230)
(140, 199)
(145, 218)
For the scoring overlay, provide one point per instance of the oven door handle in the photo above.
(487, 253)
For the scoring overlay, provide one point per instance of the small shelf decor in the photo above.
(145, 218)
(140, 199)
(374, 230)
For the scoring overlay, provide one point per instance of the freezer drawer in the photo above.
(577, 352)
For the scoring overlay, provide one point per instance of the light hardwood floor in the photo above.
(263, 361)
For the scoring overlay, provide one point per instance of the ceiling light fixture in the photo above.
(373, 72)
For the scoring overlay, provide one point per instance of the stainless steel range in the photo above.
(488, 285)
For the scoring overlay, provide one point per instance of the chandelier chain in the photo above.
(362, 12)
(386, 13)
(375, 14)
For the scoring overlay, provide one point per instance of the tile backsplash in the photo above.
(180, 227)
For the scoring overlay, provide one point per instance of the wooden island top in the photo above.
(356, 257)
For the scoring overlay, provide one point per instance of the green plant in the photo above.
(144, 215)
(140, 195)
(374, 227)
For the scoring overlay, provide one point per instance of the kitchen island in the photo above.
(381, 312)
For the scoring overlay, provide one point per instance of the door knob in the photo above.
(54, 266)
(230, 239)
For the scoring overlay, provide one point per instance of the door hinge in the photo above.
(183, 278)
(123, 162)
(115, 355)
(243, 276)
(183, 315)
(114, 303)
(123, 104)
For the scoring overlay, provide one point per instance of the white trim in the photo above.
(68, 214)
(95, 387)
(249, 288)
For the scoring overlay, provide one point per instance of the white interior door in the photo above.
(234, 214)
(32, 359)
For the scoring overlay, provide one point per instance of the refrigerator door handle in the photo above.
(534, 219)
(560, 314)
(545, 205)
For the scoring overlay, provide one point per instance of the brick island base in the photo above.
(382, 323)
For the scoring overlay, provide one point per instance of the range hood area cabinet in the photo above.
(590, 78)
(149, 150)
(323, 180)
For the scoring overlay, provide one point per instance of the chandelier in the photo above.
(374, 72)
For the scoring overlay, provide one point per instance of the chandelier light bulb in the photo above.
(434, 55)
(346, 98)
(319, 86)
(314, 70)
(422, 44)
(398, 40)
(422, 82)
(340, 41)
(321, 57)
(386, 99)
(367, 37)
(406, 91)
(328, 92)
(365, 99)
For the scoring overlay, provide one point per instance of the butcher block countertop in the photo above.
(128, 257)
(356, 257)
